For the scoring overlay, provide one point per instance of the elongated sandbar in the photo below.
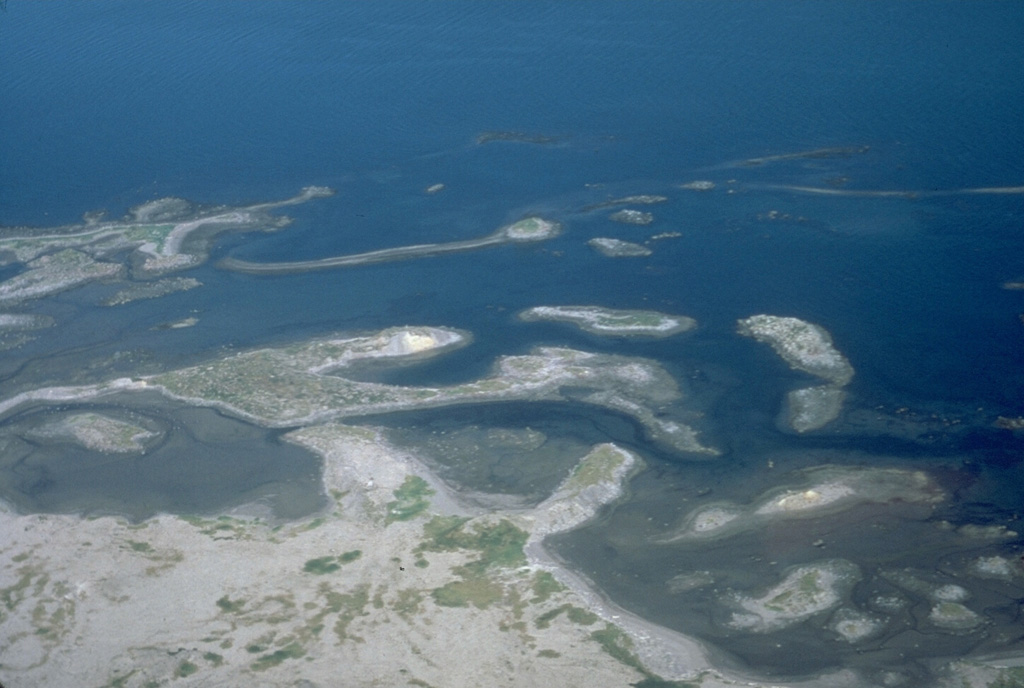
(525, 230)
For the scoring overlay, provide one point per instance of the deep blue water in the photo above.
(108, 104)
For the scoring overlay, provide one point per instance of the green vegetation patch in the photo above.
(290, 651)
(544, 586)
(476, 590)
(581, 616)
(596, 467)
(186, 668)
(140, 546)
(617, 644)
(348, 607)
(409, 602)
(230, 607)
(220, 528)
(411, 499)
(324, 565)
(16, 593)
(500, 544)
(575, 614)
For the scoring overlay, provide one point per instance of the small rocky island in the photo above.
(617, 248)
(609, 321)
(806, 347)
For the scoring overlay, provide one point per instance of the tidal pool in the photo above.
(60, 458)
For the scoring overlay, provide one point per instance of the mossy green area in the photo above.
(186, 668)
(597, 467)
(120, 681)
(348, 606)
(500, 545)
(213, 658)
(28, 578)
(272, 659)
(140, 546)
(577, 615)
(806, 590)
(1012, 677)
(544, 586)
(408, 603)
(324, 565)
(473, 589)
(222, 527)
(411, 499)
(550, 654)
(229, 606)
(617, 644)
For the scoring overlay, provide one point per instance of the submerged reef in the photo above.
(94, 431)
(819, 492)
(629, 216)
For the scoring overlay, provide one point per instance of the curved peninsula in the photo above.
(157, 237)
(304, 383)
(526, 230)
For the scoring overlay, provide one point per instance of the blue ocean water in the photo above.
(109, 104)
